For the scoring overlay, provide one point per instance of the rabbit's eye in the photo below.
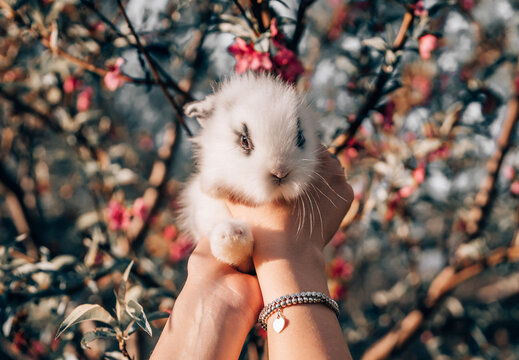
(300, 138)
(245, 143)
(244, 140)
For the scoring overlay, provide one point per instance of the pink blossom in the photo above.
(274, 28)
(427, 44)
(118, 216)
(146, 143)
(71, 84)
(170, 232)
(406, 191)
(409, 136)
(419, 174)
(278, 38)
(338, 239)
(140, 209)
(392, 206)
(419, 9)
(248, 58)
(10, 76)
(341, 16)
(114, 79)
(514, 188)
(98, 27)
(37, 348)
(352, 153)
(337, 290)
(387, 123)
(508, 172)
(287, 64)
(426, 336)
(341, 268)
(467, 4)
(19, 340)
(422, 84)
(441, 153)
(180, 248)
(84, 99)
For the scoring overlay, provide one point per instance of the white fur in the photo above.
(270, 108)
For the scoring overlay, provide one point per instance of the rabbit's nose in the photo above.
(278, 175)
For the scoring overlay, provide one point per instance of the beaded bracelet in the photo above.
(307, 297)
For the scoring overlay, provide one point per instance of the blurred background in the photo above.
(418, 99)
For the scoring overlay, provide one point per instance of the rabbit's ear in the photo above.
(202, 109)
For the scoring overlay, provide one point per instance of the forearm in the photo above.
(201, 327)
(312, 330)
(213, 313)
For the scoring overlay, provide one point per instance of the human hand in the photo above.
(221, 282)
(295, 229)
(288, 257)
(214, 312)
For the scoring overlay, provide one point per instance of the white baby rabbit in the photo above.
(255, 146)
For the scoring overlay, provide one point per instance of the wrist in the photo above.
(292, 274)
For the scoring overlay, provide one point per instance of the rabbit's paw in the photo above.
(232, 242)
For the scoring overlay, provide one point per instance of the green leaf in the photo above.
(63, 260)
(98, 333)
(375, 42)
(283, 3)
(115, 355)
(86, 312)
(121, 292)
(137, 313)
(127, 271)
(158, 315)
(152, 316)
(120, 306)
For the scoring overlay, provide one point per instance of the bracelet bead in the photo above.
(307, 297)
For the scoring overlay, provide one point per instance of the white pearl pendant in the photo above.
(279, 323)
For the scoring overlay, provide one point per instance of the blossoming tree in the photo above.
(417, 99)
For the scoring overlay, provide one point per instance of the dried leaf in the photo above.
(137, 313)
(120, 307)
(116, 355)
(86, 312)
(376, 43)
(98, 333)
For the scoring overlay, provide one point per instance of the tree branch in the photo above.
(48, 120)
(22, 216)
(247, 19)
(168, 80)
(443, 283)
(342, 140)
(177, 109)
(158, 176)
(483, 200)
(300, 24)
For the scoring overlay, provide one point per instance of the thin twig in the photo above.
(32, 224)
(49, 121)
(342, 140)
(300, 24)
(138, 227)
(168, 81)
(246, 17)
(174, 105)
(95, 153)
(453, 275)
(443, 283)
(483, 200)
(260, 10)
